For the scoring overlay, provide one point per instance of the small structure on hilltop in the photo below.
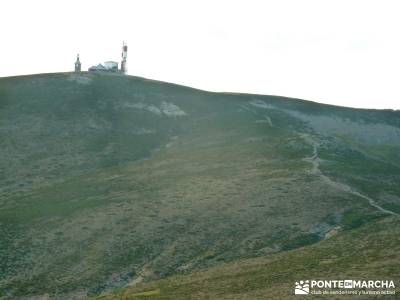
(99, 67)
(112, 66)
(77, 64)
(108, 66)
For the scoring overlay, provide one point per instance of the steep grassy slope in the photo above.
(369, 252)
(107, 180)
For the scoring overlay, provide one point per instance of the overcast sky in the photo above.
(343, 52)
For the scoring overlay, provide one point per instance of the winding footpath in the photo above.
(315, 161)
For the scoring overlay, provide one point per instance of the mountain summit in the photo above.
(109, 180)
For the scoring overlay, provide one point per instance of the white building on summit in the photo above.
(112, 66)
(108, 66)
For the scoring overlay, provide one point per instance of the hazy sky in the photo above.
(344, 52)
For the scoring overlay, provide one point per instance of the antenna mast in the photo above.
(124, 57)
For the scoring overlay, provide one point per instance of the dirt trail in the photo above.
(315, 161)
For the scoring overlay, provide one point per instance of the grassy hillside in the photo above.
(108, 180)
(369, 252)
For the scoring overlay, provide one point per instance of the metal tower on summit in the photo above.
(124, 56)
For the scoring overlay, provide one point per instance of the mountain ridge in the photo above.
(84, 73)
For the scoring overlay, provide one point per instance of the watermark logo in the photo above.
(302, 287)
(344, 287)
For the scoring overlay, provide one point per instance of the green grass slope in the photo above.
(108, 180)
(370, 252)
